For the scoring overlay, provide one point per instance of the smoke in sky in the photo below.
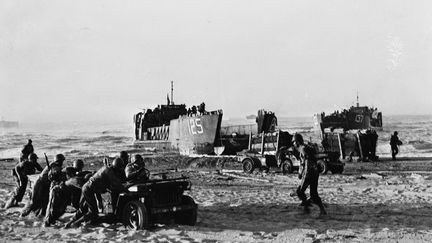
(395, 48)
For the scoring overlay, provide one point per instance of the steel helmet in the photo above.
(298, 138)
(33, 156)
(60, 157)
(78, 164)
(117, 164)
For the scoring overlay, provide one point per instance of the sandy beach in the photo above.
(384, 202)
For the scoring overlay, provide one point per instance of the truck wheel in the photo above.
(135, 215)
(188, 217)
(248, 165)
(287, 167)
(322, 167)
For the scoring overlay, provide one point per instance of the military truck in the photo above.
(156, 200)
(268, 150)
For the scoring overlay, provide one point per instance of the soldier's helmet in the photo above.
(395, 133)
(138, 159)
(78, 164)
(124, 155)
(298, 138)
(118, 164)
(30, 141)
(70, 171)
(33, 156)
(60, 158)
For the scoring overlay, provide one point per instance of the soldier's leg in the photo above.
(57, 203)
(90, 200)
(301, 192)
(21, 189)
(314, 193)
(34, 202)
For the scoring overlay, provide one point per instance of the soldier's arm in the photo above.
(115, 182)
(38, 166)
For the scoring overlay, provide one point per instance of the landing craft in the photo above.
(172, 126)
(355, 118)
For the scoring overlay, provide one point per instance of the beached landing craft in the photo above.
(171, 126)
(356, 117)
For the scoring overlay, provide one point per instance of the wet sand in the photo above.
(387, 201)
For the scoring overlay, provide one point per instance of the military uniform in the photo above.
(41, 191)
(64, 194)
(26, 151)
(309, 174)
(20, 172)
(394, 143)
(103, 180)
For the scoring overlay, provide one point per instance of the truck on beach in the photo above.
(274, 150)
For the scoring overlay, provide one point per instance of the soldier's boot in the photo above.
(11, 203)
(306, 203)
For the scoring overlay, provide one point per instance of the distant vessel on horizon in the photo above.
(8, 124)
(356, 117)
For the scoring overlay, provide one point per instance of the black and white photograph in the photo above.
(215, 121)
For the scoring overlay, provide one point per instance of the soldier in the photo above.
(103, 180)
(394, 144)
(125, 157)
(41, 188)
(374, 138)
(308, 173)
(136, 171)
(27, 150)
(67, 193)
(59, 198)
(20, 172)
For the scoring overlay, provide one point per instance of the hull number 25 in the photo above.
(195, 126)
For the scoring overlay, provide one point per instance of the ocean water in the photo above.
(108, 139)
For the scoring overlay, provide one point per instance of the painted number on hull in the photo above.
(196, 126)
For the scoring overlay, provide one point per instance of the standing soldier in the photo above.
(308, 173)
(27, 150)
(20, 172)
(394, 144)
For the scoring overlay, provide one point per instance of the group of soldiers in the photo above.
(57, 187)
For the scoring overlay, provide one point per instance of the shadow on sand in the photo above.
(277, 218)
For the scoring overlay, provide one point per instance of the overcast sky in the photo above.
(102, 60)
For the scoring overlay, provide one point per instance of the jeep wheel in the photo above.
(135, 215)
(188, 217)
(248, 165)
(322, 167)
(287, 167)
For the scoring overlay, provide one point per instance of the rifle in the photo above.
(46, 160)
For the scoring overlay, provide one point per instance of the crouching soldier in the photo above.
(105, 179)
(67, 193)
(308, 173)
(41, 188)
(20, 173)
